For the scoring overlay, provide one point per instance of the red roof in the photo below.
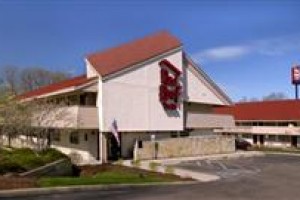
(264, 110)
(121, 57)
(76, 81)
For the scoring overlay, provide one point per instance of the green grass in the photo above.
(108, 177)
(21, 160)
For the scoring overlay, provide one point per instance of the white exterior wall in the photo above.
(90, 71)
(197, 89)
(132, 98)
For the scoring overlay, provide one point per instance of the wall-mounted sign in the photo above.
(296, 75)
(170, 88)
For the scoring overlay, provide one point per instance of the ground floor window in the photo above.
(174, 135)
(284, 138)
(184, 134)
(272, 138)
(55, 136)
(74, 137)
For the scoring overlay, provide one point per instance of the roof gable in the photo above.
(121, 57)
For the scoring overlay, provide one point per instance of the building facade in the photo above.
(145, 89)
(270, 123)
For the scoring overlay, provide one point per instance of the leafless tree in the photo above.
(32, 78)
(10, 77)
(18, 81)
(274, 96)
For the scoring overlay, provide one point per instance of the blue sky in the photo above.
(247, 47)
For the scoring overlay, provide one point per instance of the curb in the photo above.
(282, 153)
(61, 190)
(212, 157)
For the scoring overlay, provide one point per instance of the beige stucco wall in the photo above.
(132, 98)
(85, 151)
(128, 140)
(198, 89)
(189, 146)
(22, 141)
(82, 117)
(198, 108)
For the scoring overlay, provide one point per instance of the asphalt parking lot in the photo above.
(229, 168)
(273, 177)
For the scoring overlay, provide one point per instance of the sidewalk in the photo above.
(163, 164)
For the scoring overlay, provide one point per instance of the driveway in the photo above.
(270, 177)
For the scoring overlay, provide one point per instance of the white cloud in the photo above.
(266, 47)
(221, 53)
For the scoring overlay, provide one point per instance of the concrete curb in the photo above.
(246, 154)
(60, 190)
(282, 153)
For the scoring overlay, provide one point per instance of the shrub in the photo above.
(136, 163)
(169, 170)
(120, 161)
(153, 166)
(7, 166)
(50, 155)
(20, 160)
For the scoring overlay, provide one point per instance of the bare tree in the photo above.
(274, 96)
(18, 81)
(32, 78)
(10, 78)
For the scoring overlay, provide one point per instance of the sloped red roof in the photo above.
(121, 57)
(76, 81)
(264, 110)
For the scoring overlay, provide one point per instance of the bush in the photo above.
(50, 155)
(7, 166)
(169, 170)
(153, 166)
(136, 163)
(21, 160)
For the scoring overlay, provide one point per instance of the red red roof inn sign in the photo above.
(170, 88)
(296, 75)
(296, 78)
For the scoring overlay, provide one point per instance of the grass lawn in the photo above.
(110, 174)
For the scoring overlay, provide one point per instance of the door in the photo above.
(294, 141)
(254, 139)
(113, 149)
(261, 139)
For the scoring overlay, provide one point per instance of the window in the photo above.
(86, 137)
(174, 135)
(55, 136)
(74, 138)
(272, 138)
(184, 134)
(284, 138)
